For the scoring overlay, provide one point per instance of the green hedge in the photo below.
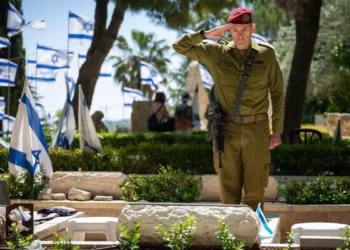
(319, 191)
(197, 158)
(119, 140)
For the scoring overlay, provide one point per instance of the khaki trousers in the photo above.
(245, 163)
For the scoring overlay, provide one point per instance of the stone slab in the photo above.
(242, 222)
(97, 183)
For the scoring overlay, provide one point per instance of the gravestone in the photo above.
(4, 193)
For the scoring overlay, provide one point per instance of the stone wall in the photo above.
(332, 122)
(139, 116)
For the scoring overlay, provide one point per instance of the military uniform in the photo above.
(246, 158)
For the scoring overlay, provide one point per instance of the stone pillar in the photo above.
(193, 79)
(332, 121)
(139, 116)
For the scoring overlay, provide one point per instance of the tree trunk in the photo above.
(307, 17)
(17, 55)
(101, 44)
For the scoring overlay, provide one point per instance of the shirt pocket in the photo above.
(227, 63)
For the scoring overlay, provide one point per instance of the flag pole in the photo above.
(67, 73)
(36, 71)
(9, 89)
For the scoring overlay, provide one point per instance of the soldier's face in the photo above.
(241, 35)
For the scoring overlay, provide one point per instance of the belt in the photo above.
(243, 119)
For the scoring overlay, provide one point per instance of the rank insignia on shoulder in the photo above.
(266, 44)
(259, 62)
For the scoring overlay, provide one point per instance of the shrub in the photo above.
(168, 186)
(179, 237)
(226, 239)
(319, 191)
(26, 186)
(129, 240)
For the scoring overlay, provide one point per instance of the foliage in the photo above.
(319, 191)
(63, 244)
(226, 239)
(346, 240)
(26, 186)
(322, 90)
(169, 185)
(290, 240)
(129, 241)
(179, 237)
(16, 240)
(16, 55)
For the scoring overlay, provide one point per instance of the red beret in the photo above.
(240, 15)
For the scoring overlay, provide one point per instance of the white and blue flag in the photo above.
(40, 109)
(207, 80)
(39, 75)
(7, 124)
(4, 42)
(71, 86)
(259, 38)
(52, 59)
(8, 72)
(80, 27)
(16, 22)
(263, 220)
(150, 75)
(2, 106)
(89, 141)
(28, 149)
(106, 70)
(130, 95)
(64, 135)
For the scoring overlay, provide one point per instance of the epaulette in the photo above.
(222, 41)
(266, 44)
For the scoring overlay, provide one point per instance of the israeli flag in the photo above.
(196, 120)
(130, 95)
(39, 75)
(106, 70)
(52, 59)
(8, 72)
(8, 123)
(64, 135)
(41, 112)
(71, 87)
(16, 22)
(150, 75)
(259, 38)
(80, 27)
(2, 106)
(28, 149)
(89, 141)
(207, 80)
(4, 42)
(263, 220)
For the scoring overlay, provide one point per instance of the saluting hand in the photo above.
(275, 140)
(218, 31)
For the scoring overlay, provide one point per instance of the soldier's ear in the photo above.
(253, 27)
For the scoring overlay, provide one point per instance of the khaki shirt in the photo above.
(226, 65)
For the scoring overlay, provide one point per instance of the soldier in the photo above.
(247, 135)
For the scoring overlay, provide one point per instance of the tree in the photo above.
(128, 65)
(17, 55)
(307, 17)
(173, 14)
